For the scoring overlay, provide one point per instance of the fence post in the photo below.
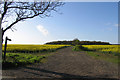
(5, 47)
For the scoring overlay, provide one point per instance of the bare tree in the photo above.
(12, 12)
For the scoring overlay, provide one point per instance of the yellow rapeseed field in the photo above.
(104, 48)
(31, 48)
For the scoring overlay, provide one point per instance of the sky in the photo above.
(91, 21)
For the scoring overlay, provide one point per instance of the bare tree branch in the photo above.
(26, 10)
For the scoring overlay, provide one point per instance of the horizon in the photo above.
(58, 40)
(87, 21)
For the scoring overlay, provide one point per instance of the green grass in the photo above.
(108, 53)
(21, 55)
(79, 48)
(106, 57)
(18, 59)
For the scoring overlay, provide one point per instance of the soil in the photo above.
(66, 64)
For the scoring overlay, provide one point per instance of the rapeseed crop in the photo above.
(18, 55)
(16, 48)
(104, 48)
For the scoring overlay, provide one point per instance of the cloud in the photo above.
(42, 30)
(111, 24)
(116, 25)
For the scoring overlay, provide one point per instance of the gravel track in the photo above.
(66, 63)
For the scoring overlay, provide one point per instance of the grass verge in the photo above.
(104, 56)
(20, 56)
(21, 59)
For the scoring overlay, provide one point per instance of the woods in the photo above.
(77, 42)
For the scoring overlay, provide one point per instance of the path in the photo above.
(66, 63)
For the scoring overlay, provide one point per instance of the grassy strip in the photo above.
(80, 48)
(21, 59)
(17, 59)
(104, 56)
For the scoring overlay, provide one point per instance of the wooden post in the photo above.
(0, 46)
(5, 47)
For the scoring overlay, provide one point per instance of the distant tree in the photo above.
(76, 41)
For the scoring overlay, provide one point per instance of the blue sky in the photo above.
(93, 21)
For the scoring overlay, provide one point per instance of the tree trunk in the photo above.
(0, 50)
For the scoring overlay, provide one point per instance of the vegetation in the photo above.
(19, 55)
(77, 42)
(18, 59)
(105, 52)
(106, 57)
(16, 48)
(80, 48)
(111, 49)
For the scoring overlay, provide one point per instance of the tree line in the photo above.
(78, 42)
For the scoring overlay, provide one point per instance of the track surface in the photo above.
(66, 63)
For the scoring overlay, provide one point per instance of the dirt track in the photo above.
(66, 63)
